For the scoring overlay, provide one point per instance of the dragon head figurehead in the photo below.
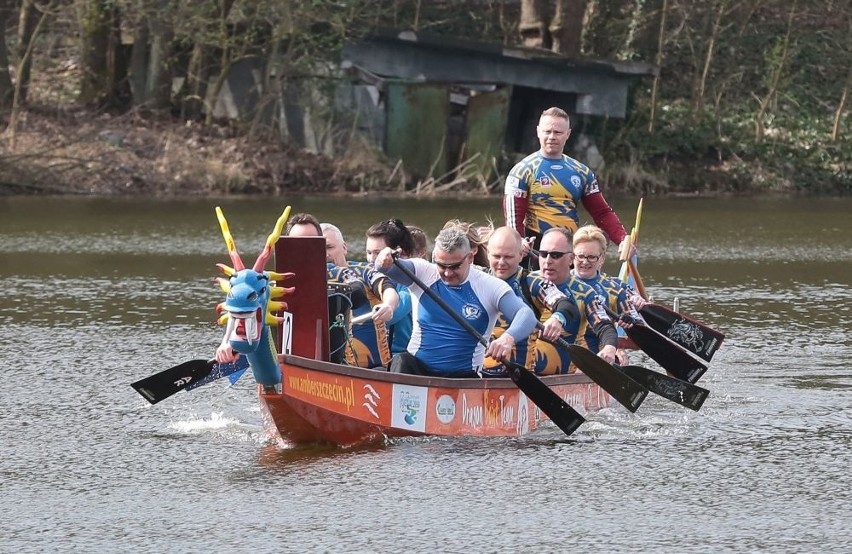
(249, 306)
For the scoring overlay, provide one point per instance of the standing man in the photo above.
(439, 346)
(544, 189)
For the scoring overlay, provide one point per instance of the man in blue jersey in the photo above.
(544, 189)
(439, 346)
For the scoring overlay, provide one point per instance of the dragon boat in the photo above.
(305, 398)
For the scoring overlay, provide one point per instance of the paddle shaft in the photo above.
(559, 411)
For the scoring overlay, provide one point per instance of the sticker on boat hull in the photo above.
(409, 407)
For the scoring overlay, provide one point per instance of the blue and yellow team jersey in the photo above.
(612, 293)
(553, 187)
(524, 351)
(367, 345)
(551, 358)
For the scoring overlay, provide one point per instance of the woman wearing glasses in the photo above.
(589, 244)
(555, 258)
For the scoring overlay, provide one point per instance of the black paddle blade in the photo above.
(162, 385)
(681, 392)
(621, 387)
(560, 412)
(698, 338)
(673, 358)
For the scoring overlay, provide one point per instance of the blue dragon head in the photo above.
(249, 306)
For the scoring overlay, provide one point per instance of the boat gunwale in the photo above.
(420, 380)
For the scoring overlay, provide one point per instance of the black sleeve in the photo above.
(606, 332)
(568, 309)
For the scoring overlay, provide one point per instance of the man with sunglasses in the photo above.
(555, 258)
(544, 189)
(439, 346)
(504, 257)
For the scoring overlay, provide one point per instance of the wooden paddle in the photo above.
(699, 338)
(622, 388)
(189, 374)
(560, 412)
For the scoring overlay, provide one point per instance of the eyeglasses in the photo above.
(552, 253)
(584, 258)
(449, 267)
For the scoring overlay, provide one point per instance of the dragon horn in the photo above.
(263, 257)
(229, 241)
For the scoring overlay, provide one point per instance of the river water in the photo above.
(98, 293)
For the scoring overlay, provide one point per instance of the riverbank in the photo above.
(76, 152)
(81, 153)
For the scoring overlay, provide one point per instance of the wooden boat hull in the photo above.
(323, 402)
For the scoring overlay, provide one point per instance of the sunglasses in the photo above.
(552, 254)
(449, 267)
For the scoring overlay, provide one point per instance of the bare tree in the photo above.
(6, 91)
(776, 72)
(655, 88)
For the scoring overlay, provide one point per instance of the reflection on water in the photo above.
(100, 292)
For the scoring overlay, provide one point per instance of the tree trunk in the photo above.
(27, 21)
(567, 27)
(225, 60)
(655, 88)
(708, 59)
(25, 59)
(838, 115)
(100, 52)
(6, 90)
(533, 25)
(138, 72)
(159, 90)
(774, 78)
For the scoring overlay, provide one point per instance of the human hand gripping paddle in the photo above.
(560, 412)
(621, 387)
(185, 376)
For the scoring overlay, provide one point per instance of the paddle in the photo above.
(681, 392)
(187, 375)
(560, 412)
(699, 338)
(622, 388)
(672, 357)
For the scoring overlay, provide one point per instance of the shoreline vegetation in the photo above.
(743, 105)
